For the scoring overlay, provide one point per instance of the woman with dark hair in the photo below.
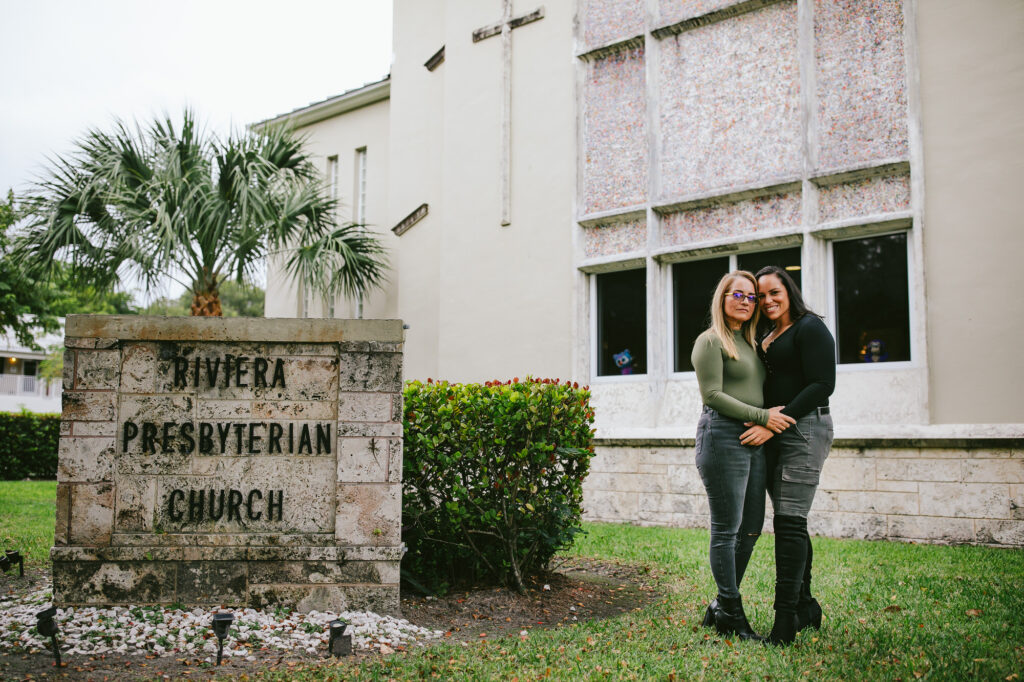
(799, 354)
(731, 382)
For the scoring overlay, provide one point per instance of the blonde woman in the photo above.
(731, 379)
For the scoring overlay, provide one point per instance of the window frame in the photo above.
(831, 315)
(595, 351)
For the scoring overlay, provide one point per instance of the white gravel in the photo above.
(136, 630)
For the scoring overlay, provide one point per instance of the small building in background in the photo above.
(22, 387)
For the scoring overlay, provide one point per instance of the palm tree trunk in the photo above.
(206, 304)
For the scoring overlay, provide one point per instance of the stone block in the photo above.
(85, 459)
(877, 502)
(324, 572)
(848, 525)
(395, 461)
(97, 370)
(917, 469)
(605, 505)
(370, 429)
(977, 500)
(931, 528)
(826, 500)
(321, 410)
(90, 342)
(847, 473)
(897, 486)
(369, 514)
(1000, 532)
(134, 507)
(93, 406)
(65, 427)
(91, 428)
(365, 407)
(68, 371)
(212, 582)
(684, 478)
(92, 514)
(665, 456)
(993, 471)
(84, 583)
(363, 460)
(330, 598)
(370, 372)
(63, 514)
(241, 410)
(673, 504)
(614, 460)
(653, 469)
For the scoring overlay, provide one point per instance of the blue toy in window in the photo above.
(874, 351)
(624, 361)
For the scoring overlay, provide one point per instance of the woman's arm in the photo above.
(709, 363)
(817, 351)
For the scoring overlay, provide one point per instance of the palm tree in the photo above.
(164, 202)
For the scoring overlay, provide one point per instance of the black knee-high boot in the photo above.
(790, 560)
(808, 609)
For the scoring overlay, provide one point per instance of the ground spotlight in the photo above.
(221, 625)
(340, 643)
(48, 628)
(10, 558)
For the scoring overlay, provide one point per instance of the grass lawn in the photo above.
(27, 510)
(892, 611)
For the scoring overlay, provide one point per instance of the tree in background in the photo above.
(237, 300)
(159, 202)
(24, 306)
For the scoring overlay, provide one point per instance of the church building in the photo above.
(560, 185)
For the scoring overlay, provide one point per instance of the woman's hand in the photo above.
(755, 435)
(777, 421)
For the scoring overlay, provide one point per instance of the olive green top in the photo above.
(735, 388)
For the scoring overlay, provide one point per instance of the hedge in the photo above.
(28, 445)
(492, 479)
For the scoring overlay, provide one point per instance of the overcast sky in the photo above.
(68, 65)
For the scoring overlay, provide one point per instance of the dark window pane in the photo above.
(622, 322)
(29, 368)
(693, 283)
(872, 301)
(788, 259)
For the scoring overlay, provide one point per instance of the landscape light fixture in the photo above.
(340, 642)
(10, 558)
(47, 628)
(221, 625)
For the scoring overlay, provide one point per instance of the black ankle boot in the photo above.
(784, 630)
(808, 614)
(709, 615)
(731, 620)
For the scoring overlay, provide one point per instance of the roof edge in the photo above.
(332, 106)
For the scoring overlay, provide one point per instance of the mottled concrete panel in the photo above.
(729, 103)
(97, 370)
(606, 21)
(877, 502)
(134, 506)
(363, 460)
(321, 572)
(763, 214)
(672, 11)
(90, 428)
(371, 429)
(861, 82)
(113, 583)
(865, 197)
(993, 470)
(604, 505)
(614, 132)
(370, 372)
(63, 514)
(917, 469)
(92, 514)
(614, 460)
(369, 514)
(848, 525)
(92, 406)
(931, 528)
(978, 500)
(366, 407)
(68, 370)
(223, 409)
(85, 459)
(320, 410)
(1000, 532)
(615, 238)
(845, 473)
(330, 598)
(212, 582)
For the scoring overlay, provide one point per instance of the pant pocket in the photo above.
(801, 474)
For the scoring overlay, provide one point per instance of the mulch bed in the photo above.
(576, 590)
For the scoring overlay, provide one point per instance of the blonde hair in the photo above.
(718, 324)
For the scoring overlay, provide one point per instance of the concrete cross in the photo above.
(504, 28)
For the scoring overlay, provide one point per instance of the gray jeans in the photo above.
(794, 459)
(734, 477)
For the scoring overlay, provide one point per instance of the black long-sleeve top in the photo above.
(801, 365)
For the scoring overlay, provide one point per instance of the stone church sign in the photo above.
(230, 461)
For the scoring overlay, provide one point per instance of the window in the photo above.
(332, 176)
(359, 208)
(30, 368)
(307, 300)
(622, 322)
(694, 282)
(872, 299)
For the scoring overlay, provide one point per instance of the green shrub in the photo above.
(493, 478)
(28, 445)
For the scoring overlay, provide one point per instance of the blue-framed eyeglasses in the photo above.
(739, 296)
